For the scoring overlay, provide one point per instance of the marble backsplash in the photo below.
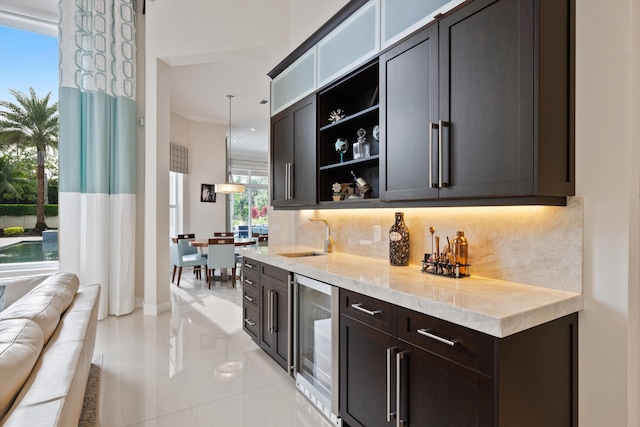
(535, 245)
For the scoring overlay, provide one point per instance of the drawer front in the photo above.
(251, 296)
(249, 264)
(456, 343)
(250, 279)
(274, 272)
(251, 321)
(371, 311)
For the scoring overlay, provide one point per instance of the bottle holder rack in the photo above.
(446, 269)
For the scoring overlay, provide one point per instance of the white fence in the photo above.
(26, 221)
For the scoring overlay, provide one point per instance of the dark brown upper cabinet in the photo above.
(293, 154)
(479, 106)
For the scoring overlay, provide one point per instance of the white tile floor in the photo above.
(194, 366)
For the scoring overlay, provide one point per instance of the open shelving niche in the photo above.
(357, 95)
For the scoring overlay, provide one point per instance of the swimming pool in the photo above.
(29, 252)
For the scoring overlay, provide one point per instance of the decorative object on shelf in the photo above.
(376, 132)
(229, 187)
(336, 115)
(336, 190)
(399, 242)
(361, 148)
(461, 251)
(364, 189)
(342, 145)
(375, 97)
(429, 265)
(452, 261)
(208, 193)
(348, 190)
(432, 230)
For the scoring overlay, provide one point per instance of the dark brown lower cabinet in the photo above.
(251, 298)
(274, 319)
(274, 313)
(403, 368)
(265, 307)
(363, 359)
(437, 392)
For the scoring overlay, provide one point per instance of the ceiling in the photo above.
(196, 89)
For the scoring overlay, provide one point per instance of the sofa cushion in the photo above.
(17, 287)
(21, 342)
(65, 285)
(44, 308)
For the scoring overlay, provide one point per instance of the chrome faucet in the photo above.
(328, 240)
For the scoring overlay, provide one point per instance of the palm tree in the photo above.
(11, 180)
(31, 122)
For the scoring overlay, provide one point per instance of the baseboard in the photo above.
(156, 309)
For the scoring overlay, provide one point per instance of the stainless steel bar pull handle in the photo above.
(439, 153)
(289, 329)
(399, 358)
(287, 180)
(391, 351)
(248, 298)
(249, 322)
(269, 312)
(426, 333)
(359, 307)
(274, 311)
(432, 126)
(249, 282)
(291, 181)
(246, 264)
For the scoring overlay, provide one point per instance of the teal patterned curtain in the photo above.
(97, 147)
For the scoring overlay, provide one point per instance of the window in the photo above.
(251, 208)
(175, 204)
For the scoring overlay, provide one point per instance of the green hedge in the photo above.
(21, 210)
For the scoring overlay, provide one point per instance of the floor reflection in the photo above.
(194, 366)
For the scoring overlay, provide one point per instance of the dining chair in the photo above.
(187, 249)
(181, 260)
(243, 231)
(223, 234)
(221, 255)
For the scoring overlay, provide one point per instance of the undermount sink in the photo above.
(301, 254)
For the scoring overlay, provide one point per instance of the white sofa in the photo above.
(47, 338)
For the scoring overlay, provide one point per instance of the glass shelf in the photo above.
(350, 118)
(348, 163)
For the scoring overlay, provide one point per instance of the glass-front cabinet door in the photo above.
(315, 338)
(294, 83)
(349, 45)
(402, 17)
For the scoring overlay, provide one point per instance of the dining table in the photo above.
(204, 243)
(238, 241)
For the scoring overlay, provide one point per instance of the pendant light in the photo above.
(229, 187)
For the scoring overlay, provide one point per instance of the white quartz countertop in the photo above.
(495, 307)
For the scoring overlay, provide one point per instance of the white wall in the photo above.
(634, 223)
(207, 165)
(206, 144)
(607, 175)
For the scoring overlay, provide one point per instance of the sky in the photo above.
(28, 60)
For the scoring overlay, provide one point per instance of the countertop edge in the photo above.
(563, 303)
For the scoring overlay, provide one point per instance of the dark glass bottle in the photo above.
(399, 242)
